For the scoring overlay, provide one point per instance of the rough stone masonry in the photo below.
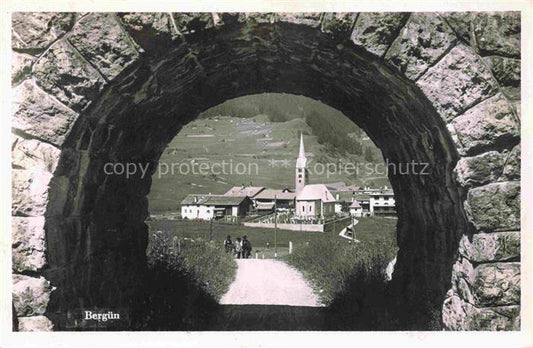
(89, 88)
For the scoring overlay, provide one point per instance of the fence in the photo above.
(303, 225)
(337, 224)
(290, 227)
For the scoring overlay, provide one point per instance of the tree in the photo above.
(369, 156)
(357, 148)
(345, 207)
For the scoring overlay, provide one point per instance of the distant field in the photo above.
(367, 230)
(376, 229)
(259, 237)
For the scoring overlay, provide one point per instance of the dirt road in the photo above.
(268, 295)
(269, 282)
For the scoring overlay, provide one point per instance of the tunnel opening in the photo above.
(242, 154)
(102, 217)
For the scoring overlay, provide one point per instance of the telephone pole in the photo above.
(353, 230)
(276, 226)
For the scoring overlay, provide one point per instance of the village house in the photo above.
(367, 190)
(364, 202)
(343, 197)
(207, 207)
(372, 201)
(382, 203)
(265, 200)
(356, 209)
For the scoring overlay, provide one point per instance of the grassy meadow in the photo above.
(208, 264)
(368, 230)
(185, 282)
(327, 262)
(350, 277)
(259, 237)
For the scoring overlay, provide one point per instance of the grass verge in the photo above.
(350, 277)
(186, 280)
(259, 237)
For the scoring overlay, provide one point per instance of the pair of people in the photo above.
(241, 247)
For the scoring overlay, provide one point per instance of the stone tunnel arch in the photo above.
(105, 88)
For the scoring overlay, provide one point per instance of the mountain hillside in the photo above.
(260, 149)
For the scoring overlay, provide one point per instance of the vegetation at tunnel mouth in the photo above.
(348, 277)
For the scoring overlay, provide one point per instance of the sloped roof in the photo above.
(344, 196)
(315, 192)
(265, 206)
(212, 200)
(225, 200)
(271, 193)
(240, 191)
(341, 186)
(355, 204)
(383, 193)
(362, 197)
(194, 199)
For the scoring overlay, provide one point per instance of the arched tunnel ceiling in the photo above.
(123, 96)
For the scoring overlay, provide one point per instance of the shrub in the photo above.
(364, 302)
(350, 280)
(331, 264)
(204, 261)
(185, 283)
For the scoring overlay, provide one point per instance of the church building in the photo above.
(312, 201)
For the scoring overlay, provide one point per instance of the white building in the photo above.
(356, 209)
(265, 200)
(383, 203)
(207, 207)
(312, 201)
(315, 201)
(339, 201)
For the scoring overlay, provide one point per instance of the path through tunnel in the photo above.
(95, 228)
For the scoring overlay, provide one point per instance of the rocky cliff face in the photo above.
(95, 88)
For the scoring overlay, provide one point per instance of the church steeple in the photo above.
(301, 167)
(301, 154)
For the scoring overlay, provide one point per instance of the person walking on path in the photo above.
(228, 244)
(238, 248)
(246, 247)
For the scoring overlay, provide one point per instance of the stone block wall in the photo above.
(95, 87)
